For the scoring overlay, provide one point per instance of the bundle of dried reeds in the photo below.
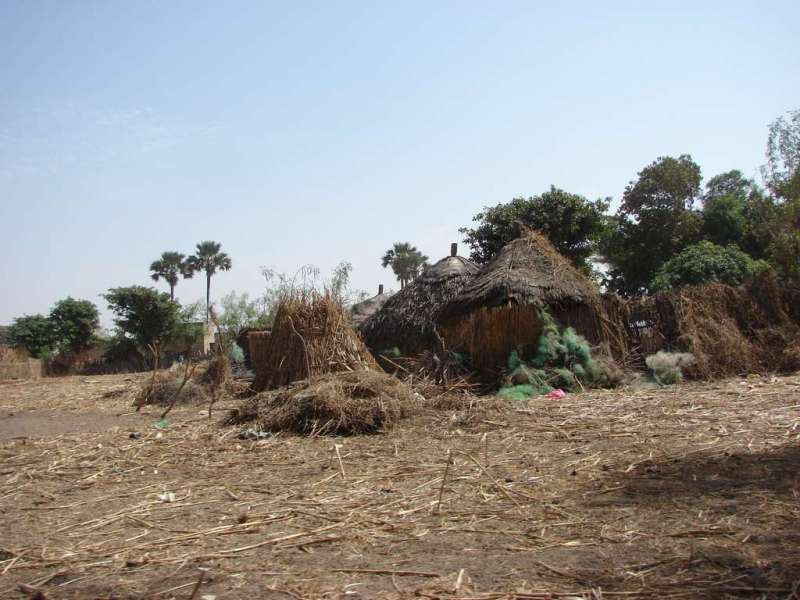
(333, 404)
(311, 336)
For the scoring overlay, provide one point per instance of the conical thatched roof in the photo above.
(363, 310)
(527, 271)
(407, 319)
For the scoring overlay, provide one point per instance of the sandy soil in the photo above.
(686, 492)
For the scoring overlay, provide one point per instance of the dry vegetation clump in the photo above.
(332, 404)
(667, 367)
(162, 388)
(311, 336)
(753, 328)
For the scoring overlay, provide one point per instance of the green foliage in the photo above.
(655, 221)
(170, 267)
(784, 249)
(782, 171)
(572, 223)
(406, 261)
(707, 262)
(240, 313)
(562, 359)
(143, 314)
(74, 323)
(35, 333)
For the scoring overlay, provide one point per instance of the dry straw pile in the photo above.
(333, 404)
(166, 386)
(753, 328)
(311, 336)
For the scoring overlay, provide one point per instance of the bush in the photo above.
(667, 367)
(707, 262)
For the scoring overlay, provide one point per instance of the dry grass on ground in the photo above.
(678, 493)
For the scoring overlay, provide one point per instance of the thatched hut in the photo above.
(407, 319)
(500, 309)
(311, 336)
(363, 310)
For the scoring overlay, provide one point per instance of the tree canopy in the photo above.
(706, 262)
(406, 261)
(74, 323)
(655, 221)
(34, 333)
(209, 258)
(572, 223)
(170, 267)
(143, 314)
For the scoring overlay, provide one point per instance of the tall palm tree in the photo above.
(407, 262)
(208, 258)
(169, 267)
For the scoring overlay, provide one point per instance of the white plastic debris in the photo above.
(167, 497)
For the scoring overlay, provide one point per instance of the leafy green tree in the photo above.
(406, 261)
(706, 262)
(239, 312)
(655, 221)
(782, 171)
(74, 323)
(784, 247)
(572, 223)
(170, 267)
(35, 333)
(725, 206)
(209, 259)
(143, 314)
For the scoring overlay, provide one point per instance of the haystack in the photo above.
(407, 320)
(334, 404)
(363, 310)
(311, 336)
(499, 311)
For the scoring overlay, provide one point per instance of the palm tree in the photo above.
(208, 258)
(169, 267)
(407, 262)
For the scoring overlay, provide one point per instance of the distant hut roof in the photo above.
(363, 310)
(408, 318)
(527, 271)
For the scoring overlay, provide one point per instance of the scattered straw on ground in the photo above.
(683, 492)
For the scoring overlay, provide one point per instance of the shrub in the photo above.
(667, 367)
(707, 262)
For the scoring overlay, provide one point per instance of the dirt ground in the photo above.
(687, 492)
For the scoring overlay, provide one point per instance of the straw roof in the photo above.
(407, 319)
(527, 271)
(363, 310)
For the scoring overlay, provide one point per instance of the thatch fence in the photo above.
(752, 328)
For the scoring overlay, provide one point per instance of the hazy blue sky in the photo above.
(307, 132)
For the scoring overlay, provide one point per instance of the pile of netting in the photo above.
(563, 360)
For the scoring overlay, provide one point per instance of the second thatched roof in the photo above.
(407, 319)
(527, 271)
(363, 310)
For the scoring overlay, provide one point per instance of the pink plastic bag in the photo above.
(557, 393)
